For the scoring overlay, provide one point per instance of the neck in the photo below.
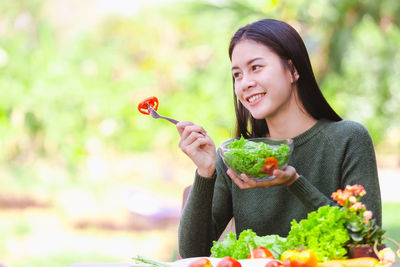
(290, 123)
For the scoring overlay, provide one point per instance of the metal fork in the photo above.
(155, 114)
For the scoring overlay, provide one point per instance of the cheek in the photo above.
(239, 95)
(236, 90)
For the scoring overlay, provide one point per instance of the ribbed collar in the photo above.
(307, 135)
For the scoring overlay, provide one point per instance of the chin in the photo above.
(258, 116)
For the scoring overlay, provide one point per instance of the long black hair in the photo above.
(284, 40)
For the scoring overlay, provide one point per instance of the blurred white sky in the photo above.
(127, 7)
(74, 15)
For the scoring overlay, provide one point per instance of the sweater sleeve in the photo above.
(309, 195)
(355, 156)
(205, 215)
(359, 167)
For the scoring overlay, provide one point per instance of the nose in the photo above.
(247, 82)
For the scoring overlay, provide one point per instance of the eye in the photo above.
(236, 75)
(255, 67)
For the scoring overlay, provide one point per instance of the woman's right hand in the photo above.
(198, 146)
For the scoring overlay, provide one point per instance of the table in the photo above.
(98, 264)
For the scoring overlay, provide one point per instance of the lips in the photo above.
(255, 98)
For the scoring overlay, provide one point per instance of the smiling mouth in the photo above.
(254, 98)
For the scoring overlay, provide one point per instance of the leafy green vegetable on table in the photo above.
(245, 156)
(240, 248)
(323, 231)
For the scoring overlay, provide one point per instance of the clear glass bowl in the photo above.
(256, 157)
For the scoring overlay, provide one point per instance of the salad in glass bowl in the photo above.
(256, 157)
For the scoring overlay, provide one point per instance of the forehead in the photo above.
(247, 49)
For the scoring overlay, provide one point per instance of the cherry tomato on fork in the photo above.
(152, 101)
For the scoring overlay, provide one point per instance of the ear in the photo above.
(293, 71)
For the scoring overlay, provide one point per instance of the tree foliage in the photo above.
(63, 94)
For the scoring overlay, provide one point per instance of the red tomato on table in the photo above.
(203, 262)
(260, 253)
(229, 262)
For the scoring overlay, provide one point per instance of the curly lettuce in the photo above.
(323, 231)
(245, 156)
(240, 248)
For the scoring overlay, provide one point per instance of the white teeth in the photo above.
(255, 97)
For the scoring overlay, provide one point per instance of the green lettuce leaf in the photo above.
(245, 156)
(323, 231)
(240, 248)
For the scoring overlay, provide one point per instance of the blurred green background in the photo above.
(86, 178)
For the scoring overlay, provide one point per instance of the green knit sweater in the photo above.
(327, 157)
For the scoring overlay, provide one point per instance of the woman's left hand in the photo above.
(286, 177)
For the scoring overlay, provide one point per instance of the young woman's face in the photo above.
(262, 83)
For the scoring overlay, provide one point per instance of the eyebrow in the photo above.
(248, 62)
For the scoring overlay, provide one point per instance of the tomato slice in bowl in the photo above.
(270, 165)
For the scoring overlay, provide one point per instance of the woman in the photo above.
(276, 94)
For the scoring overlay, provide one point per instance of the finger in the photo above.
(249, 181)
(268, 183)
(185, 128)
(277, 173)
(200, 143)
(201, 150)
(180, 126)
(237, 180)
(241, 181)
(284, 176)
(194, 136)
(191, 128)
(286, 172)
(287, 175)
